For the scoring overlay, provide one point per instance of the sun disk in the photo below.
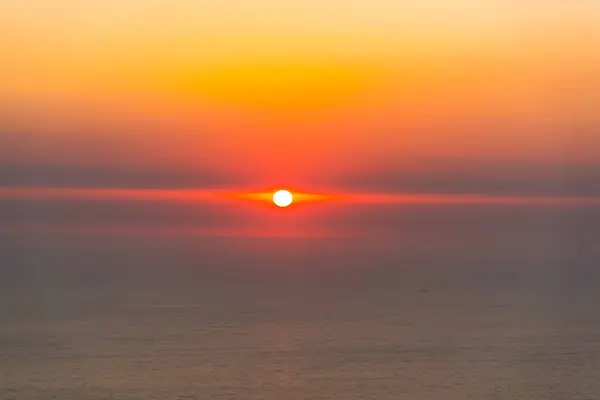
(282, 198)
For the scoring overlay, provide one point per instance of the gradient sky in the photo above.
(463, 126)
(385, 96)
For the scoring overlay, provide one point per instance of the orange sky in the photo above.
(263, 93)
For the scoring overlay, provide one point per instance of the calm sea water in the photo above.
(301, 343)
(499, 308)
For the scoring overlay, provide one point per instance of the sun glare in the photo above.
(282, 198)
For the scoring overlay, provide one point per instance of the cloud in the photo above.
(36, 174)
(477, 177)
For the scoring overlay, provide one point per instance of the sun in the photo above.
(282, 198)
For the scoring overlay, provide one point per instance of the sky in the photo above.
(109, 110)
(435, 96)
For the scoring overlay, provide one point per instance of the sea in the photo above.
(507, 308)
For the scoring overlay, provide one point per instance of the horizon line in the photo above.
(216, 195)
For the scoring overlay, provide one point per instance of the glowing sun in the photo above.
(282, 198)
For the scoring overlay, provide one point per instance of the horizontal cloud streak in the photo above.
(220, 195)
(111, 175)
